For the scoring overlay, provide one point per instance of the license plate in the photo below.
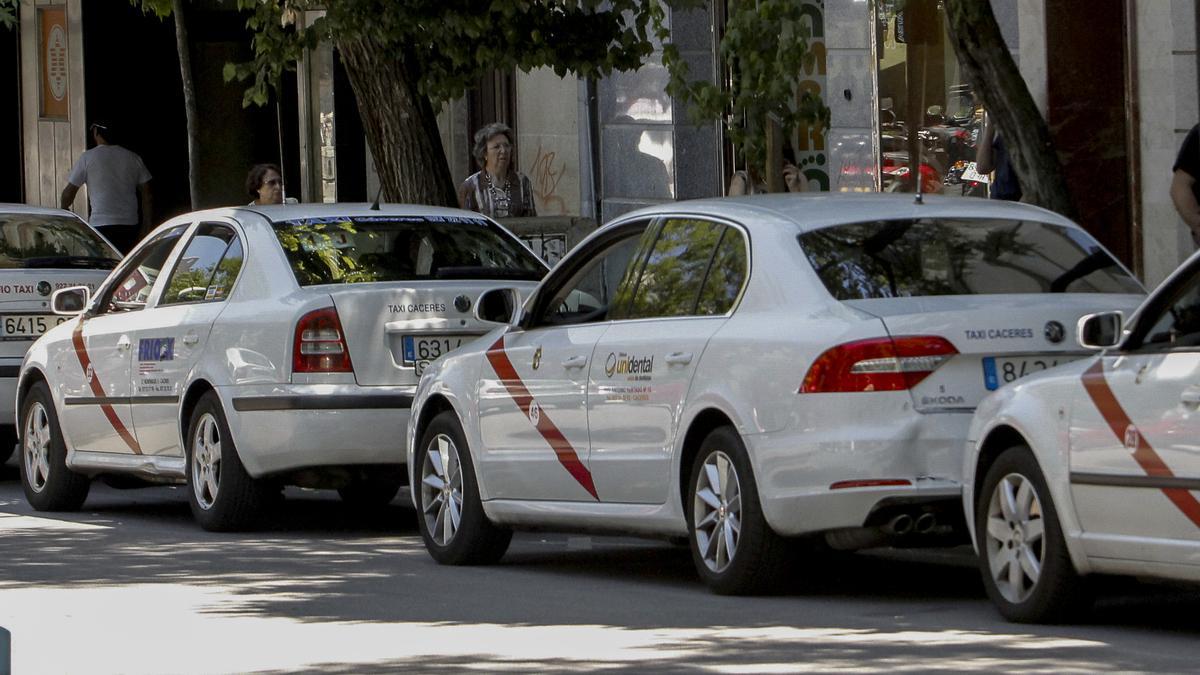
(971, 174)
(421, 350)
(27, 326)
(1000, 370)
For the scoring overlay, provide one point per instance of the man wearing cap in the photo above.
(116, 178)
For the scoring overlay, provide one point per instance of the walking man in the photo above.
(116, 178)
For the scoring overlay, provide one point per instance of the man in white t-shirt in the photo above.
(116, 178)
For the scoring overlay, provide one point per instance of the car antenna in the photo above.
(378, 193)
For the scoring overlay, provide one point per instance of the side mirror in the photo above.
(499, 305)
(70, 301)
(1100, 331)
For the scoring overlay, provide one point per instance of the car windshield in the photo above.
(949, 256)
(364, 249)
(29, 240)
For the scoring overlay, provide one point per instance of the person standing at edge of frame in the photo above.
(1185, 191)
(116, 179)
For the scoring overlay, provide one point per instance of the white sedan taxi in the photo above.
(41, 251)
(1093, 468)
(742, 371)
(242, 349)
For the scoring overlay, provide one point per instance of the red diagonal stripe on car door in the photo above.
(1118, 420)
(85, 362)
(567, 456)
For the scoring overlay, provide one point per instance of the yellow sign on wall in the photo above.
(52, 58)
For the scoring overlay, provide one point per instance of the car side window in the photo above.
(675, 270)
(588, 293)
(1179, 324)
(726, 276)
(207, 267)
(138, 274)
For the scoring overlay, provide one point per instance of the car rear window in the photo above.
(911, 258)
(49, 241)
(354, 250)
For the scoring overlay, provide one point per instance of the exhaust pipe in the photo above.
(899, 525)
(925, 523)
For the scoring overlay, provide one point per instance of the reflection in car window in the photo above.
(669, 284)
(192, 280)
(362, 249)
(726, 276)
(1179, 325)
(133, 287)
(910, 258)
(589, 293)
(39, 241)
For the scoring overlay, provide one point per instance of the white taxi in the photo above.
(41, 250)
(242, 349)
(1093, 468)
(741, 371)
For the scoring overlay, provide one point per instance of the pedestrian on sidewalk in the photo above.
(497, 189)
(265, 184)
(117, 180)
(991, 155)
(1185, 190)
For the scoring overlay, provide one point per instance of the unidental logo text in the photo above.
(624, 364)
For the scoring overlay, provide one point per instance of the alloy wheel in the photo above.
(1015, 537)
(206, 461)
(441, 489)
(35, 446)
(717, 511)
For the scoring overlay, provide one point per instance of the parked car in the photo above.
(742, 371)
(41, 250)
(1092, 468)
(242, 349)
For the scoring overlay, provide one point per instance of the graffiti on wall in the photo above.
(811, 154)
(545, 178)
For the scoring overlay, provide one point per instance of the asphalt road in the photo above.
(131, 585)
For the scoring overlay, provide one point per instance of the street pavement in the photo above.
(131, 585)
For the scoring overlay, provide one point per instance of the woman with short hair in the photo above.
(497, 189)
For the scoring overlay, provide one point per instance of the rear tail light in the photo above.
(878, 364)
(320, 344)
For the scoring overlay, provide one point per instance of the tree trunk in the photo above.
(399, 122)
(189, 101)
(994, 76)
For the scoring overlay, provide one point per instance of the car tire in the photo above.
(369, 494)
(8, 442)
(447, 492)
(1016, 521)
(749, 558)
(222, 496)
(49, 485)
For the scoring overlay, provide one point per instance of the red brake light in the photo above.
(877, 364)
(320, 344)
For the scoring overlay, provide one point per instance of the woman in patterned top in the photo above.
(498, 189)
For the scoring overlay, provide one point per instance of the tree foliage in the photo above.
(765, 47)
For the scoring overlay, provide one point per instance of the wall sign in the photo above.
(52, 58)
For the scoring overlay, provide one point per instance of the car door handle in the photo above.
(191, 339)
(123, 343)
(679, 358)
(574, 362)
(1191, 396)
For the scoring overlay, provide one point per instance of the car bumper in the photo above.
(285, 428)
(810, 480)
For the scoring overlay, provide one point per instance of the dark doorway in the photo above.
(133, 80)
(11, 181)
(1087, 112)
